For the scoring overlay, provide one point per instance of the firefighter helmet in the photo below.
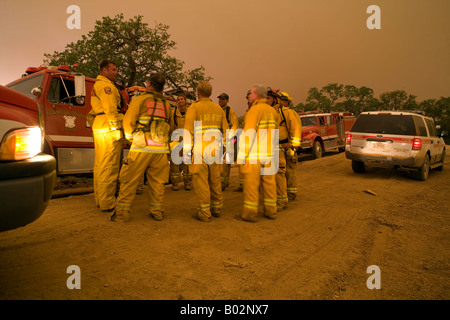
(273, 92)
(285, 96)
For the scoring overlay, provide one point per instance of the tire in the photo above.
(358, 166)
(424, 170)
(317, 150)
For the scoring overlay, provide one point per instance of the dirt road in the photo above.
(319, 248)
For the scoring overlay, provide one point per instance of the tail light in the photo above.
(417, 144)
(348, 140)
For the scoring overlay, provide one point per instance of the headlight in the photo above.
(21, 144)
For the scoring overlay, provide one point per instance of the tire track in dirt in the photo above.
(336, 228)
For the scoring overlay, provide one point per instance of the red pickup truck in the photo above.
(27, 176)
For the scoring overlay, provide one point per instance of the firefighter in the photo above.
(233, 124)
(282, 198)
(206, 149)
(179, 115)
(108, 138)
(259, 155)
(148, 124)
(294, 126)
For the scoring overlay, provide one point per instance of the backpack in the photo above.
(158, 127)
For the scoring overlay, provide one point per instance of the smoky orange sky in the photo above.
(292, 45)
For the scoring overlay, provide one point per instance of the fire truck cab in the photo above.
(61, 94)
(323, 132)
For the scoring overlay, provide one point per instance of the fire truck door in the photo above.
(322, 127)
(331, 127)
(65, 116)
(66, 126)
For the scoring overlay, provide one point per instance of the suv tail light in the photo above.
(348, 140)
(417, 144)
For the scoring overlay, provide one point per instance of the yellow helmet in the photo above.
(284, 96)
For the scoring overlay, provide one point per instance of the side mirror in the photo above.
(80, 88)
(80, 85)
(36, 91)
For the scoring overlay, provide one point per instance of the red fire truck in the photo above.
(324, 132)
(61, 94)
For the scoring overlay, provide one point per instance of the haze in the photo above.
(288, 44)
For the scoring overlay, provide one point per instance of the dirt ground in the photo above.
(318, 249)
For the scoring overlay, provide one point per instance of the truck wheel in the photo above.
(424, 170)
(358, 166)
(317, 149)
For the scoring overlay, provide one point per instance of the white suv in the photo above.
(406, 140)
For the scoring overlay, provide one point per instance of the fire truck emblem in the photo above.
(70, 123)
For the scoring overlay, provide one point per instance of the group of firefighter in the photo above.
(148, 124)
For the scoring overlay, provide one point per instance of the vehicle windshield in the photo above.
(385, 124)
(308, 121)
(26, 85)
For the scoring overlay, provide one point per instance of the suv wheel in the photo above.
(317, 149)
(424, 170)
(358, 166)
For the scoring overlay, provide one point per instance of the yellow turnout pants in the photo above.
(175, 174)
(291, 177)
(282, 197)
(108, 157)
(156, 168)
(253, 180)
(207, 187)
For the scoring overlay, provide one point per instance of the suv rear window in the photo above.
(421, 126)
(385, 124)
(431, 128)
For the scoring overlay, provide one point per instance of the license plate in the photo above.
(378, 145)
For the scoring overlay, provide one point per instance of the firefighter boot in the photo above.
(120, 216)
